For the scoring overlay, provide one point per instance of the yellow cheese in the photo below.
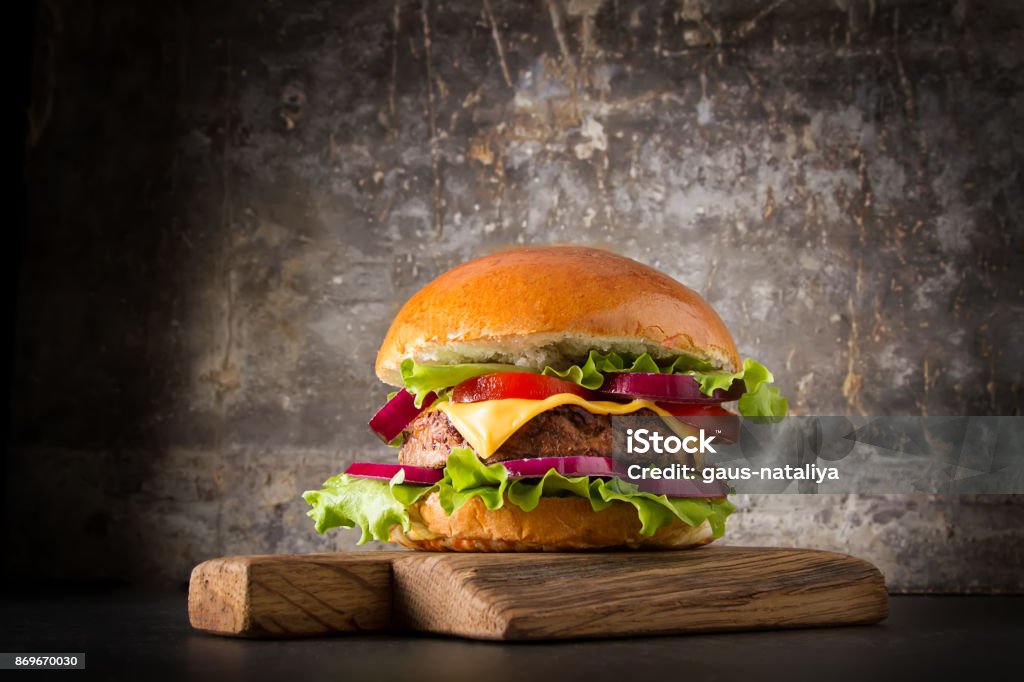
(486, 425)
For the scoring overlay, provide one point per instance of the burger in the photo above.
(510, 370)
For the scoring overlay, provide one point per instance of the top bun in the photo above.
(550, 305)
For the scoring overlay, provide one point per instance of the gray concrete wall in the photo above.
(229, 201)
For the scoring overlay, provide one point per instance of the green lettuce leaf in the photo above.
(766, 402)
(466, 477)
(591, 373)
(372, 506)
(760, 400)
(715, 379)
(587, 375)
(654, 511)
(526, 493)
(422, 379)
(375, 506)
(406, 493)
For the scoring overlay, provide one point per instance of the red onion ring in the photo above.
(673, 388)
(396, 414)
(539, 466)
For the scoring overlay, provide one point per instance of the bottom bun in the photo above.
(557, 524)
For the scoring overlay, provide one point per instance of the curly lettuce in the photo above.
(372, 506)
(759, 400)
(375, 506)
(423, 379)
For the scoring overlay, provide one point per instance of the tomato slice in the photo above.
(502, 385)
(713, 418)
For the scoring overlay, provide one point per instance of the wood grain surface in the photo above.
(535, 596)
(598, 595)
(292, 595)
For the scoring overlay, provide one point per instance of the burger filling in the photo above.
(566, 431)
(375, 506)
(466, 420)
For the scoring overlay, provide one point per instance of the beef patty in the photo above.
(566, 431)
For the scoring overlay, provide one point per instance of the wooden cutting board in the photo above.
(534, 596)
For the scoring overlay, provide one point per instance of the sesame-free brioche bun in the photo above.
(550, 305)
(557, 524)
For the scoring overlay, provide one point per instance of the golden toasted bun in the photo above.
(550, 305)
(557, 524)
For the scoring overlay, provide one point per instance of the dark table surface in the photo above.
(130, 635)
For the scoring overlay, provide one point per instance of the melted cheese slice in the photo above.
(486, 425)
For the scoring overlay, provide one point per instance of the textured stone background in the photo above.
(229, 201)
